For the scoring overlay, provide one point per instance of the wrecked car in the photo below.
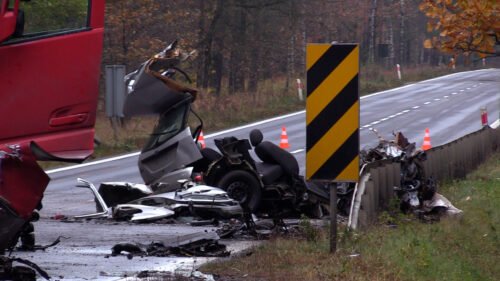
(272, 185)
(189, 199)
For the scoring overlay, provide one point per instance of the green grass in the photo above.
(463, 248)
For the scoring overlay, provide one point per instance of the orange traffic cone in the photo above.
(427, 140)
(201, 140)
(284, 139)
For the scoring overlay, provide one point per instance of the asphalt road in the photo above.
(449, 106)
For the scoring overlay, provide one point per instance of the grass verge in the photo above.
(465, 248)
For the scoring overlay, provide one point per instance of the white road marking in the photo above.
(429, 80)
(92, 163)
(495, 124)
(138, 152)
(446, 97)
(406, 111)
(437, 99)
(416, 107)
(253, 124)
(384, 119)
(427, 102)
(453, 93)
(468, 88)
(374, 123)
(297, 151)
(367, 126)
(461, 90)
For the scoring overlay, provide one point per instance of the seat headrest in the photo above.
(256, 137)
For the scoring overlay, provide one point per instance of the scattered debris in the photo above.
(58, 217)
(260, 229)
(25, 247)
(190, 199)
(440, 204)
(161, 275)
(201, 244)
(213, 222)
(9, 271)
(386, 149)
(417, 192)
(129, 248)
(194, 199)
(114, 193)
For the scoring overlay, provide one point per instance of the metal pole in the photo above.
(333, 218)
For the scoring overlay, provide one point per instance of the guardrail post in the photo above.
(390, 183)
(370, 206)
(333, 218)
(376, 189)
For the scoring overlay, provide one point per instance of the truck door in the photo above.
(49, 73)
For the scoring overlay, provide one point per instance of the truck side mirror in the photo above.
(8, 19)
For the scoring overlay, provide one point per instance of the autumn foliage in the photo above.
(463, 26)
(243, 44)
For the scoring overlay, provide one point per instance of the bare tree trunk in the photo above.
(124, 36)
(237, 57)
(292, 14)
(303, 31)
(202, 59)
(402, 39)
(216, 77)
(421, 56)
(372, 25)
(206, 43)
(255, 56)
(390, 59)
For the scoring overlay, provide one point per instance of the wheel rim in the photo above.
(238, 190)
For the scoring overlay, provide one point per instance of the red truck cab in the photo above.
(50, 55)
(49, 73)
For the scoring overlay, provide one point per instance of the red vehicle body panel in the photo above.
(29, 189)
(49, 89)
(48, 97)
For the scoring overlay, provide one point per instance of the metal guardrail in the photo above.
(450, 161)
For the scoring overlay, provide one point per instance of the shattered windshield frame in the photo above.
(170, 124)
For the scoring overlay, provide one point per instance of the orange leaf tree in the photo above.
(463, 26)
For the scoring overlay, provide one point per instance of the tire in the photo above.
(23, 273)
(243, 187)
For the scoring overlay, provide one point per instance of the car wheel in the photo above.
(243, 187)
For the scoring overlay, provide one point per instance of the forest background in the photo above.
(250, 53)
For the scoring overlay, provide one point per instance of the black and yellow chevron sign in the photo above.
(332, 112)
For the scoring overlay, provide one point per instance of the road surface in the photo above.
(449, 106)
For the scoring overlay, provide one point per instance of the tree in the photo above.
(372, 24)
(402, 34)
(464, 26)
(126, 24)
